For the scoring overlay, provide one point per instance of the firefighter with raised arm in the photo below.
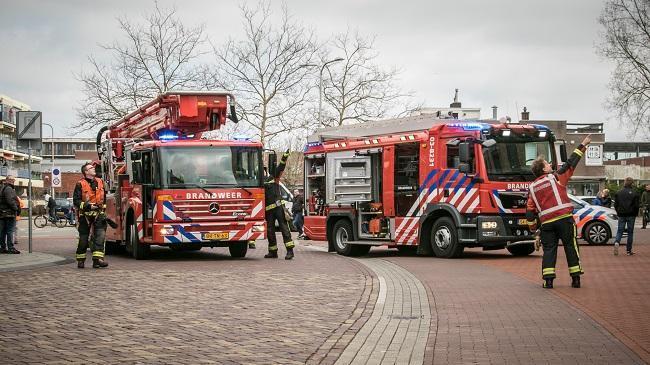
(89, 198)
(550, 209)
(275, 212)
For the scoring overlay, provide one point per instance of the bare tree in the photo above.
(266, 71)
(158, 55)
(357, 89)
(626, 41)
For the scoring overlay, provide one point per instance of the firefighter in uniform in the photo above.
(549, 203)
(89, 198)
(275, 212)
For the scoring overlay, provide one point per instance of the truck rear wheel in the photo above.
(342, 233)
(522, 249)
(444, 239)
(138, 251)
(238, 249)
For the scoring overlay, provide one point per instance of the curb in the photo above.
(59, 261)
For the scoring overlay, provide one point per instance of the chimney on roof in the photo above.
(456, 103)
(494, 112)
(525, 115)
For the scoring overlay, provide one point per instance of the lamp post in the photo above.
(51, 159)
(320, 85)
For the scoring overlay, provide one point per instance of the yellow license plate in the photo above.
(523, 222)
(216, 236)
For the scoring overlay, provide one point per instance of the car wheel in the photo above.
(597, 233)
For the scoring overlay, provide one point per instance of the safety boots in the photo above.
(271, 255)
(575, 281)
(99, 263)
(548, 284)
(289, 255)
(81, 264)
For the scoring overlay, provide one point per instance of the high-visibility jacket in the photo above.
(89, 191)
(548, 199)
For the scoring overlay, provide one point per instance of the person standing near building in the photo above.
(275, 212)
(645, 205)
(626, 204)
(549, 203)
(297, 209)
(9, 209)
(89, 198)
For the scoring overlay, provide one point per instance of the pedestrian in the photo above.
(89, 198)
(9, 208)
(645, 205)
(603, 199)
(275, 212)
(21, 204)
(626, 204)
(550, 208)
(297, 211)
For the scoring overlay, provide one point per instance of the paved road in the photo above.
(197, 307)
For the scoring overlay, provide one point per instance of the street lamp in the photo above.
(320, 85)
(51, 159)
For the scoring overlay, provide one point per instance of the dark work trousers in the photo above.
(273, 215)
(551, 233)
(98, 226)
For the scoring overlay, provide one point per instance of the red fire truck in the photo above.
(169, 185)
(435, 185)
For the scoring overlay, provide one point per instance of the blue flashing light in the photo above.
(470, 126)
(167, 135)
(539, 126)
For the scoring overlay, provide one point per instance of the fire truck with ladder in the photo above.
(169, 185)
(424, 184)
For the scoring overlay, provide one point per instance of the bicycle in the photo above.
(42, 220)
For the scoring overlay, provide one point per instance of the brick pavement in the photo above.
(615, 289)
(483, 315)
(194, 307)
(397, 331)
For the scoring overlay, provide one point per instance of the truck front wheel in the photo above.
(139, 251)
(444, 239)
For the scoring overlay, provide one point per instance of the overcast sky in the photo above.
(538, 54)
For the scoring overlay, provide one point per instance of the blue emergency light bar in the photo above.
(167, 135)
(470, 126)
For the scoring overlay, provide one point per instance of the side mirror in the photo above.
(233, 114)
(136, 168)
(273, 162)
(563, 152)
(465, 152)
(136, 156)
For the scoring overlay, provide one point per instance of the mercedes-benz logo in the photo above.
(214, 208)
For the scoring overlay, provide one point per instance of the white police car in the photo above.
(596, 224)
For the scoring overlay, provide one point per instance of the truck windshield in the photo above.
(208, 166)
(511, 160)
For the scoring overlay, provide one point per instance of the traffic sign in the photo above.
(29, 125)
(56, 177)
